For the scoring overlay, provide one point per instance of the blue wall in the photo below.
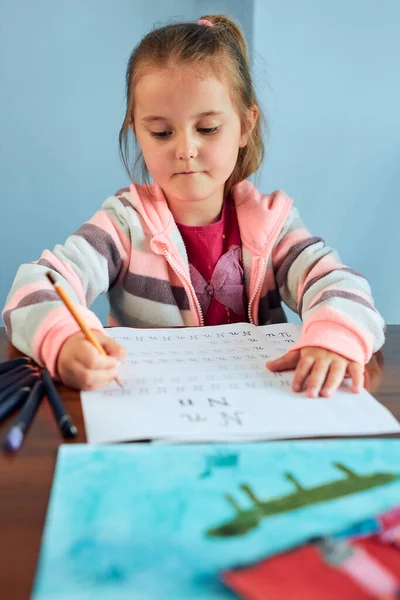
(62, 101)
(329, 79)
(327, 75)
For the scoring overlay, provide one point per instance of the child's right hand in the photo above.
(81, 366)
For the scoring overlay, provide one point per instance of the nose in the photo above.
(186, 148)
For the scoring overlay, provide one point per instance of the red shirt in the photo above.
(215, 261)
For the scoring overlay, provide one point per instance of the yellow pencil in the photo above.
(69, 304)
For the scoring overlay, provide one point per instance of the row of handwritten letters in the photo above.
(211, 384)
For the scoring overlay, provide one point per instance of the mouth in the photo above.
(187, 172)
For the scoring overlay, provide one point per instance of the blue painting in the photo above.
(148, 521)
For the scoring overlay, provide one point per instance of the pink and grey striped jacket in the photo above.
(132, 250)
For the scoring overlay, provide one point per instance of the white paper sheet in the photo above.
(211, 383)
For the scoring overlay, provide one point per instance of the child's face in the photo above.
(176, 134)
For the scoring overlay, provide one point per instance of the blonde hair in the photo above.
(223, 48)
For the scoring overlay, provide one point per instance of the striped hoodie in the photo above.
(132, 251)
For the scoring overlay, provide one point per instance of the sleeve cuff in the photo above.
(336, 338)
(58, 327)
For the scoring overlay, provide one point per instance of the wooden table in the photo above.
(25, 479)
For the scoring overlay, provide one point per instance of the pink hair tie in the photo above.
(205, 22)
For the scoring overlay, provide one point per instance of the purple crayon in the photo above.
(15, 436)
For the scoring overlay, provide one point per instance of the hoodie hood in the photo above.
(259, 215)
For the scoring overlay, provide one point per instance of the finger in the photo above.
(112, 348)
(317, 377)
(90, 358)
(356, 372)
(336, 374)
(284, 363)
(105, 362)
(81, 378)
(303, 370)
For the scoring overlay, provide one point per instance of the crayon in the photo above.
(8, 365)
(15, 375)
(15, 436)
(67, 428)
(13, 402)
(27, 380)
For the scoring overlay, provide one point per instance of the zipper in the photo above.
(260, 278)
(263, 267)
(182, 275)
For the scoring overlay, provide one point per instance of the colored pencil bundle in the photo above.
(22, 386)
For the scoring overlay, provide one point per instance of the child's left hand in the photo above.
(325, 369)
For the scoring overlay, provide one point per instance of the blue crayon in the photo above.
(15, 436)
(8, 365)
(67, 428)
(28, 379)
(14, 401)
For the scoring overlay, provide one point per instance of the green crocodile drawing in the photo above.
(249, 518)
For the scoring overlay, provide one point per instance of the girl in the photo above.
(199, 246)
